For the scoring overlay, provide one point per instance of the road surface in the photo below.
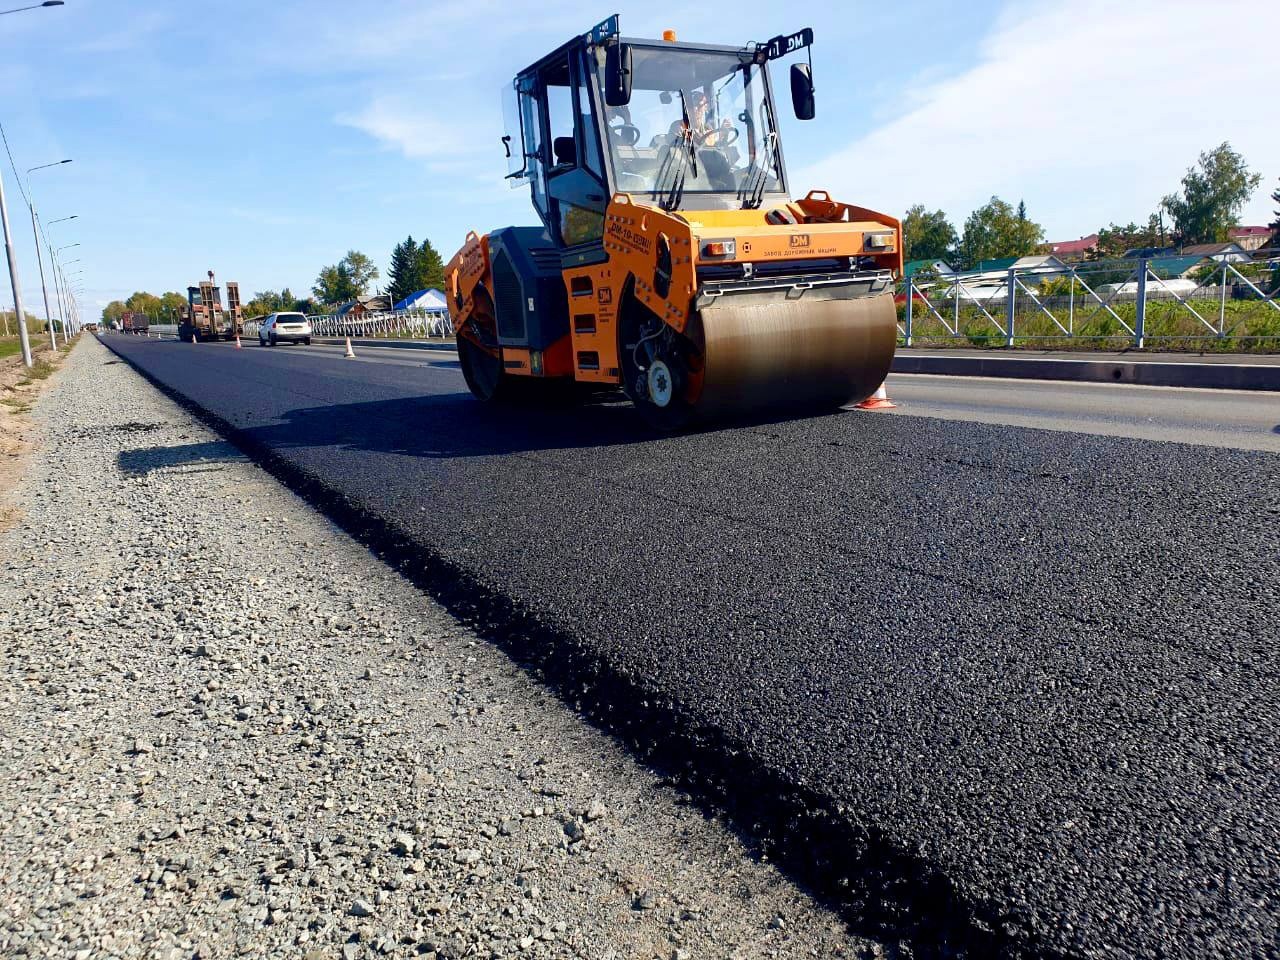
(1011, 688)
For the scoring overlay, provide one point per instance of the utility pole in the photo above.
(57, 289)
(35, 232)
(14, 282)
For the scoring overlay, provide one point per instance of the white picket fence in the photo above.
(414, 324)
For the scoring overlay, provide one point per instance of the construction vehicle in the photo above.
(135, 322)
(203, 318)
(671, 260)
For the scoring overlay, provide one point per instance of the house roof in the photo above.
(991, 266)
(1042, 263)
(1243, 233)
(1211, 249)
(1136, 252)
(1083, 245)
(1168, 267)
(369, 303)
(1038, 261)
(926, 266)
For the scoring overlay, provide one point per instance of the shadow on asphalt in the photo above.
(444, 426)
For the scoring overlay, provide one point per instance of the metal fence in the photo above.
(1134, 301)
(409, 324)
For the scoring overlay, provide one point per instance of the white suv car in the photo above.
(293, 327)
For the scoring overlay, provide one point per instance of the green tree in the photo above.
(927, 236)
(430, 268)
(996, 230)
(402, 275)
(361, 270)
(1275, 224)
(1213, 194)
(171, 305)
(334, 285)
(112, 312)
(146, 303)
(347, 279)
(1114, 241)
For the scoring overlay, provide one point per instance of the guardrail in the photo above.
(409, 324)
(1136, 301)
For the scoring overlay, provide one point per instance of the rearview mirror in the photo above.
(617, 75)
(802, 91)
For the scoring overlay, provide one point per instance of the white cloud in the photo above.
(1089, 110)
(407, 128)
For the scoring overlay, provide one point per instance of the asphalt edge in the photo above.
(1151, 373)
(877, 887)
(395, 344)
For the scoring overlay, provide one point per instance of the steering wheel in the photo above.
(726, 136)
(625, 134)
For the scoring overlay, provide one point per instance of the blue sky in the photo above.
(263, 140)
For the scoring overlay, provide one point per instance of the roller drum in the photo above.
(773, 351)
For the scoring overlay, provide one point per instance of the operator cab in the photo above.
(683, 126)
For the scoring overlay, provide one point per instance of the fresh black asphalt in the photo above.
(1030, 678)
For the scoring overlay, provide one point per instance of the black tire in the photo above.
(635, 322)
(486, 379)
(307, 342)
(272, 340)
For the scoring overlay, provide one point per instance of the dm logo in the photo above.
(799, 240)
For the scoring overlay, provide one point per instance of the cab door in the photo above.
(575, 176)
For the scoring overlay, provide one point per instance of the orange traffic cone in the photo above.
(193, 337)
(238, 341)
(350, 354)
(877, 401)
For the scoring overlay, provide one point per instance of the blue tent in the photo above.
(431, 300)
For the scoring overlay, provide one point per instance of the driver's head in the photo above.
(698, 106)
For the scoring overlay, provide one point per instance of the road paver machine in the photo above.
(671, 259)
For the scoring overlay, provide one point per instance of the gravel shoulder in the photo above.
(228, 730)
(19, 388)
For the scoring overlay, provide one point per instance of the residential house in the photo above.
(1074, 249)
(1250, 238)
(939, 267)
(1230, 252)
(364, 305)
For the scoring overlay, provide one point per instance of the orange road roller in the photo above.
(671, 260)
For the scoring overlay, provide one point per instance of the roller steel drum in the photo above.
(771, 351)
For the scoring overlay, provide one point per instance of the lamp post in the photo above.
(60, 276)
(34, 6)
(73, 314)
(35, 233)
(8, 239)
(49, 246)
(14, 282)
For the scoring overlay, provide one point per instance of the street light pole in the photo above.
(65, 306)
(35, 233)
(34, 6)
(14, 282)
(53, 266)
(48, 314)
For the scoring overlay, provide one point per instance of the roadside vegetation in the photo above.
(1234, 316)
